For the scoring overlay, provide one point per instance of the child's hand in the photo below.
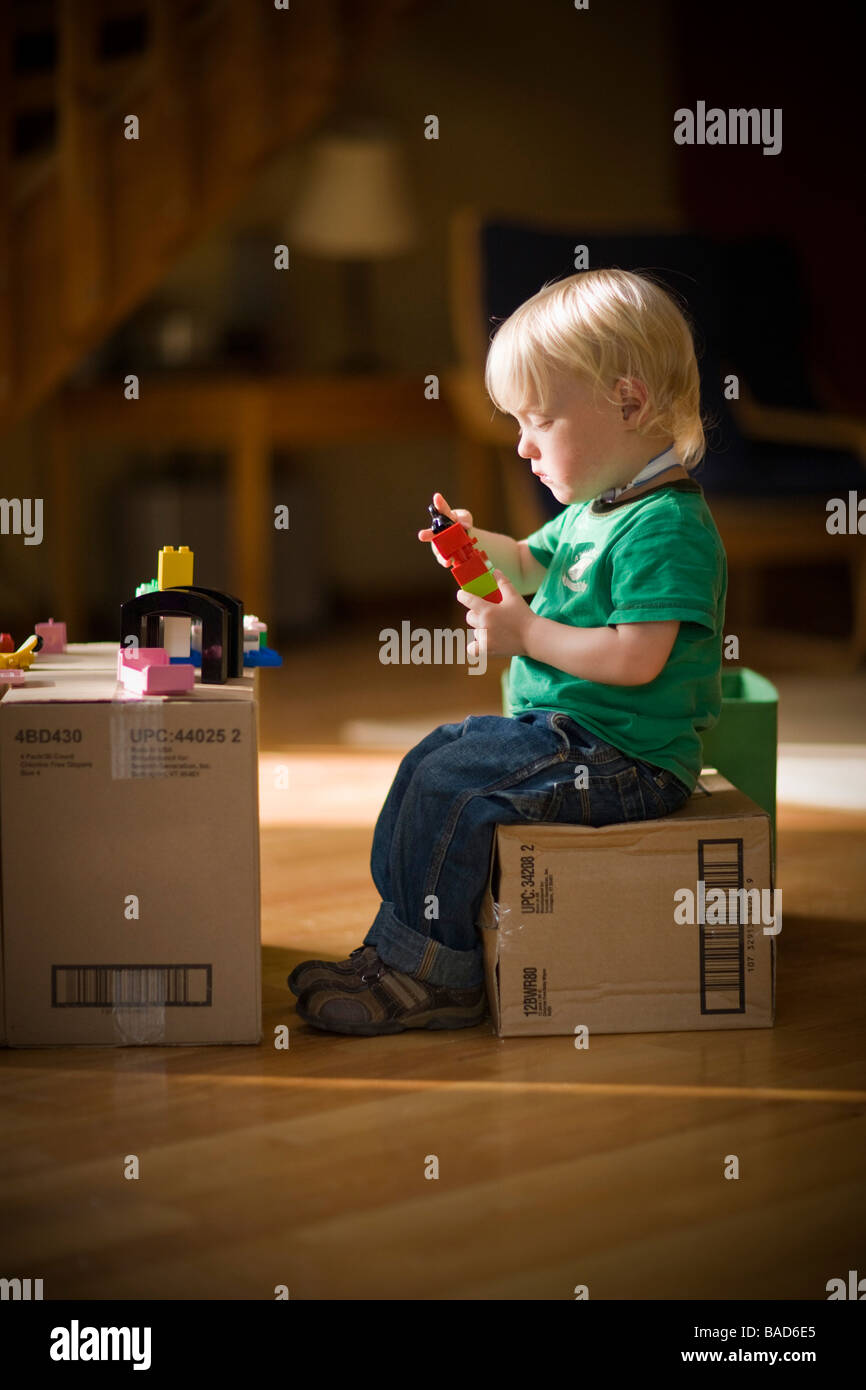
(506, 623)
(457, 514)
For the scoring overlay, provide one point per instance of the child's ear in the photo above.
(632, 397)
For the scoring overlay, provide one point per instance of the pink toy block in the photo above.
(53, 635)
(12, 677)
(148, 671)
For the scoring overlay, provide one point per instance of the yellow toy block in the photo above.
(174, 567)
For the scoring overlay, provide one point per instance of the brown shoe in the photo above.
(311, 972)
(380, 999)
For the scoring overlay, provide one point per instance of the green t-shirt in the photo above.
(653, 559)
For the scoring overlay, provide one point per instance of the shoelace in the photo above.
(374, 972)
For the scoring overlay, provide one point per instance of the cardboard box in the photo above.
(579, 928)
(78, 656)
(129, 857)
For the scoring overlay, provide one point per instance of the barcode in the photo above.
(130, 986)
(722, 945)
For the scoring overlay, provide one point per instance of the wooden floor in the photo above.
(557, 1167)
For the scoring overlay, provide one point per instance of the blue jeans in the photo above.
(434, 836)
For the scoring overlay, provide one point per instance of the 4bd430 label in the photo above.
(48, 736)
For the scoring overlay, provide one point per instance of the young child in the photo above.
(616, 663)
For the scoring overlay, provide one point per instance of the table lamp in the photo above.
(354, 208)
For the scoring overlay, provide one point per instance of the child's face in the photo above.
(582, 447)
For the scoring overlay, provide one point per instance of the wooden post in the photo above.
(83, 209)
(6, 332)
(475, 490)
(245, 80)
(250, 501)
(858, 604)
(175, 77)
(62, 526)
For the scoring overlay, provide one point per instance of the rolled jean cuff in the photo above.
(414, 953)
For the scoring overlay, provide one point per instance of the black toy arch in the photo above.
(222, 625)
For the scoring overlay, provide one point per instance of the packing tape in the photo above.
(138, 749)
(140, 1026)
(506, 924)
(139, 739)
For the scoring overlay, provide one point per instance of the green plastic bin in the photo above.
(743, 746)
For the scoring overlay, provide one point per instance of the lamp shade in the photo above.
(354, 204)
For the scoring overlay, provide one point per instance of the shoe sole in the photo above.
(368, 1030)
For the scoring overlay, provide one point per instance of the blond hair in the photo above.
(600, 325)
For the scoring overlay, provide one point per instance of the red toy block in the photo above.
(6, 643)
(473, 568)
(468, 563)
(454, 540)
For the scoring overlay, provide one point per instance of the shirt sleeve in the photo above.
(543, 542)
(664, 575)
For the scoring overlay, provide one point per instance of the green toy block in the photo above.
(482, 586)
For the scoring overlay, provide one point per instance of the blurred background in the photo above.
(251, 258)
(304, 285)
